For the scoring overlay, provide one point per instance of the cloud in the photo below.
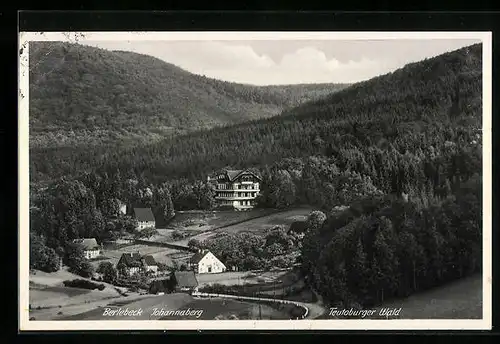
(239, 61)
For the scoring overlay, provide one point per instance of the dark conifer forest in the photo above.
(402, 151)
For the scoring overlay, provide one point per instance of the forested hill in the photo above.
(420, 106)
(85, 95)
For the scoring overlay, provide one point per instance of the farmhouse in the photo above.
(236, 188)
(90, 247)
(129, 264)
(133, 263)
(150, 264)
(144, 218)
(184, 281)
(205, 262)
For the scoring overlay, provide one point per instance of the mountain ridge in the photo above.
(86, 95)
(408, 110)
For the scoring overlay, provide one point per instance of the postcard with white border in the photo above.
(255, 180)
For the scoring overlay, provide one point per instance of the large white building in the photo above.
(236, 188)
(204, 262)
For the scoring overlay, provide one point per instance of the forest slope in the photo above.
(415, 109)
(85, 95)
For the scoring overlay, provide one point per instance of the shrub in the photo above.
(84, 284)
(42, 257)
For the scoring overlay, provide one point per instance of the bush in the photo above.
(42, 257)
(76, 261)
(108, 271)
(84, 284)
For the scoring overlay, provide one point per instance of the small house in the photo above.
(130, 264)
(206, 262)
(144, 218)
(150, 264)
(134, 263)
(184, 281)
(89, 246)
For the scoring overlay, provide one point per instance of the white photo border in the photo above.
(397, 324)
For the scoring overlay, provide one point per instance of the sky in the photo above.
(287, 61)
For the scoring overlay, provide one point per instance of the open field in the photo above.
(218, 308)
(205, 224)
(256, 225)
(241, 277)
(196, 309)
(457, 300)
(159, 253)
(49, 298)
(262, 224)
(201, 221)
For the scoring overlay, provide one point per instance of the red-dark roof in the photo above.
(130, 259)
(144, 214)
(185, 279)
(195, 259)
(234, 174)
(87, 244)
(149, 260)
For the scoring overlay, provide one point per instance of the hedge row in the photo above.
(84, 284)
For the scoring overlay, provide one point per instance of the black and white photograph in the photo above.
(255, 180)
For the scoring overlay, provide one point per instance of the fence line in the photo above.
(238, 297)
(164, 244)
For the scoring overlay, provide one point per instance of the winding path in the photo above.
(312, 310)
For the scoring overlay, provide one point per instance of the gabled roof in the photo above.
(149, 260)
(233, 174)
(87, 244)
(197, 257)
(186, 279)
(144, 214)
(131, 259)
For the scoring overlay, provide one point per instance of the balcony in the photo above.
(235, 198)
(237, 190)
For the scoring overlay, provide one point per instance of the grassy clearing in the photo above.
(201, 221)
(457, 300)
(262, 224)
(49, 299)
(211, 309)
(147, 303)
(255, 225)
(226, 309)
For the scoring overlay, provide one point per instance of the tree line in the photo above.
(389, 123)
(384, 247)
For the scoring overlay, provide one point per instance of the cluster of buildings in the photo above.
(235, 189)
